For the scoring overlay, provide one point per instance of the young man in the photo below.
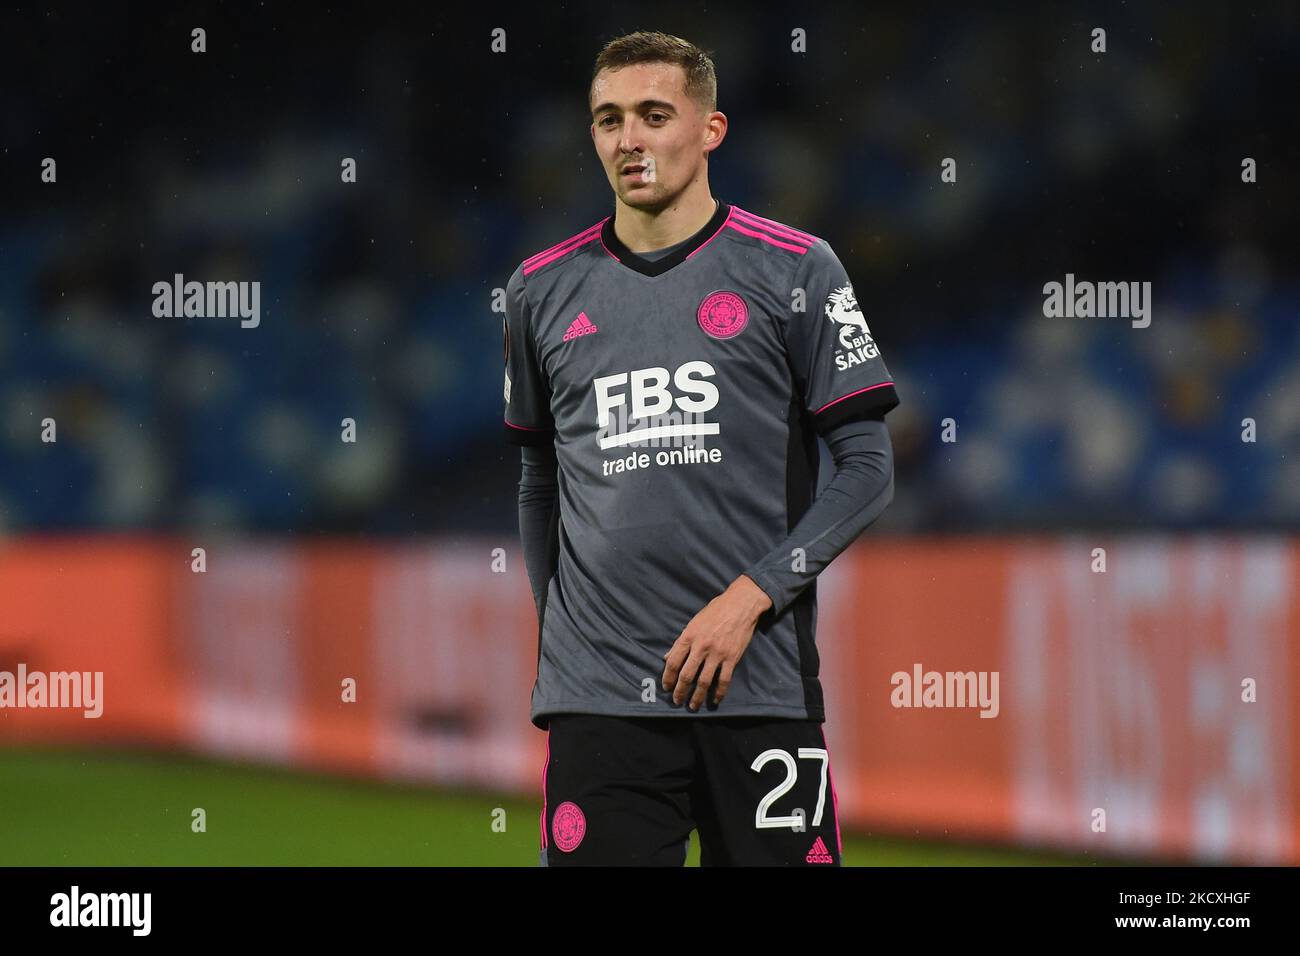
(668, 371)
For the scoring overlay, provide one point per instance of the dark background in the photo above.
(376, 297)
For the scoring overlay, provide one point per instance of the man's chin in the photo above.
(642, 196)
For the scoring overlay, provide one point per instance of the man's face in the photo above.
(641, 117)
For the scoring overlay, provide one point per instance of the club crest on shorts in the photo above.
(568, 826)
(723, 314)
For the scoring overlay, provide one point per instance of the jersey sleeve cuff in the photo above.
(768, 588)
(528, 435)
(873, 400)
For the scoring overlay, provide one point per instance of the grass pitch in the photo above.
(112, 808)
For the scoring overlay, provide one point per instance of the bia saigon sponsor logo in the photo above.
(856, 343)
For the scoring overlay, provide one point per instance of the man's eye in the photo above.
(660, 115)
(602, 122)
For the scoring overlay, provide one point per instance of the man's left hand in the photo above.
(713, 641)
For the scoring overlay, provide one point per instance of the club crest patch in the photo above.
(723, 314)
(568, 826)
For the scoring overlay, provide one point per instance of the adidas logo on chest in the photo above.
(579, 327)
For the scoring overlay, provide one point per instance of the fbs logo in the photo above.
(650, 397)
(856, 343)
(580, 326)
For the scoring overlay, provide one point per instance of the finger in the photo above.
(687, 677)
(724, 681)
(702, 685)
(675, 657)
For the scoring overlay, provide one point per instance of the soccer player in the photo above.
(668, 371)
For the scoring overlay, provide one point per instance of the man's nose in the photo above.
(630, 141)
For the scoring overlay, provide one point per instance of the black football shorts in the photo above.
(628, 791)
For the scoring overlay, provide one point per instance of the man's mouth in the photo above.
(635, 168)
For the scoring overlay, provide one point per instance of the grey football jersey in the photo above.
(683, 396)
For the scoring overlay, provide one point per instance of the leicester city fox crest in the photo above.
(856, 342)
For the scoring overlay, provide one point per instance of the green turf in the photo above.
(132, 809)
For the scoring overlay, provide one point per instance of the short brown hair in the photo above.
(651, 46)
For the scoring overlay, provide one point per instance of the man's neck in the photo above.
(644, 231)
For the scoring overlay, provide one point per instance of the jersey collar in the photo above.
(655, 267)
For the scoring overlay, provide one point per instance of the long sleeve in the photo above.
(862, 487)
(539, 518)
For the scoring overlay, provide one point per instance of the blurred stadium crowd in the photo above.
(376, 297)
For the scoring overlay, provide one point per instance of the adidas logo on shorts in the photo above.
(818, 853)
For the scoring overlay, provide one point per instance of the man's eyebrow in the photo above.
(643, 105)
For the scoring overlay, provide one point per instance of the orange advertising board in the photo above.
(1120, 696)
